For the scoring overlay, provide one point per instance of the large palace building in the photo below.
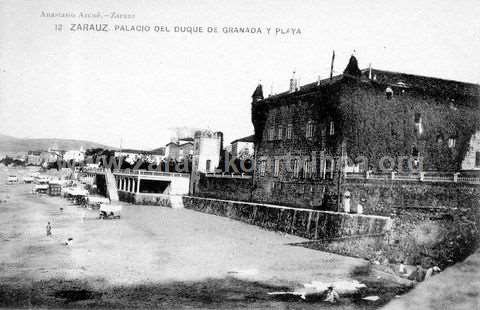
(377, 119)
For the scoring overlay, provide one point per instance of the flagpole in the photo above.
(331, 66)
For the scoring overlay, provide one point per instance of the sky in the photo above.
(134, 88)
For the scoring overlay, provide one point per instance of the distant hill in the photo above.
(12, 144)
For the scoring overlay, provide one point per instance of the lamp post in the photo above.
(339, 175)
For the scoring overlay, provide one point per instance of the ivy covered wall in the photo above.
(374, 126)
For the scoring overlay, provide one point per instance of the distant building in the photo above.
(34, 158)
(179, 149)
(361, 114)
(243, 148)
(38, 158)
(206, 155)
(74, 155)
(132, 156)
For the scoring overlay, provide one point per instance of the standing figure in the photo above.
(402, 270)
(346, 202)
(49, 229)
(418, 275)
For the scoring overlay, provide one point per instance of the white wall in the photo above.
(469, 160)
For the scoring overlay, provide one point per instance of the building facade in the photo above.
(242, 148)
(180, 149)
(206, 155)
(370, 119)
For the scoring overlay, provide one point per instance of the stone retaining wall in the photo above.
(432, 222)
(225, 188)
(170, 201)
(311, 224)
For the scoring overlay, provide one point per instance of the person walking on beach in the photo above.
(49, 229)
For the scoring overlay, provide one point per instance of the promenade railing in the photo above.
(427, 176)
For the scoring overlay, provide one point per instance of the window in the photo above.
(271, 134)
(208, 164)
(289, 131)
(418, 123)
(280, 133)
(307, 169)
(418, 118)
(309, 130)
(331, 128)
(451, 142)
(263, 164)
(276, 167)
(477, 159)
(296, 168)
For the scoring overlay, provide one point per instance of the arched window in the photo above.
(276, 167)
(289, 131)
(309, 129)
(280, 133)
(451, 142)
(331, 128)
(418, 123)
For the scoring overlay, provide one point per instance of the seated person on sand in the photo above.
(433, 270)
(418, 275)
(332, 295)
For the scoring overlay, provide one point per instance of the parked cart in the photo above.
(109, 211)
(40, 188)
(95, 202)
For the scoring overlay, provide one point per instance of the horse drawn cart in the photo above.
(109, 211)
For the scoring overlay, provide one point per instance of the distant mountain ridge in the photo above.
(13, 144)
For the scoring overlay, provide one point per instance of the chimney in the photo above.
(318, 80)
(293, 83)
(370, 71)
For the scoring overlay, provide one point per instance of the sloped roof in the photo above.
(435, 86)
(428, 84)
(158, 151)
(186, 143)
(186, 139)
(250, 138)
(431, 85)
